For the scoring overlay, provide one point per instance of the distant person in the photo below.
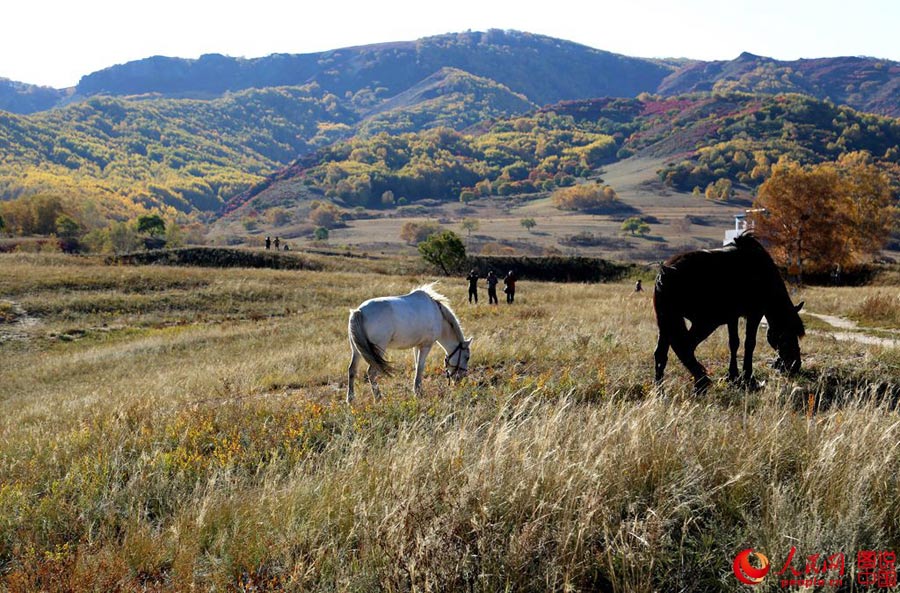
(286, 248)
(509, 282)
(492, 281)
(836, 275)
(638, 287)
(277, 243)
(473, 286)
(268, 243)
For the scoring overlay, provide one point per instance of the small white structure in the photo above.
(742, 224)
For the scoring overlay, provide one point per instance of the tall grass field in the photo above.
(184, 429)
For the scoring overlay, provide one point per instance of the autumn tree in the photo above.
(869, 204)
(414, 232)
(325, 214)
(122, 238)
(584, 197)
(830, 214)
(721, 190)
(278, 216)
(68, 231)
(469, 225)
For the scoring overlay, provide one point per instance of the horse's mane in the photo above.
(430, 291)
(748, 241)
(443, 304)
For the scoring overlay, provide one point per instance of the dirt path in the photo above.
(851, 332)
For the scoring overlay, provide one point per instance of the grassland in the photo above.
(173, 429)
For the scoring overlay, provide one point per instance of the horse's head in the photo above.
(784, 336)
(456, 364)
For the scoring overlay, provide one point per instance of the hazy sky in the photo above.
(55, 42)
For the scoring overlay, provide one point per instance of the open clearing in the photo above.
(173, 429)
(677, 220)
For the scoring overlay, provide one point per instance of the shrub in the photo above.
(585, 197)
(325, 215)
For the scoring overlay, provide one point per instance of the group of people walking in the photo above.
(509, 286)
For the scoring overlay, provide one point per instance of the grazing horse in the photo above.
(715, 287)
(415, 320)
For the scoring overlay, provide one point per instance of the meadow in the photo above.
(173, 429)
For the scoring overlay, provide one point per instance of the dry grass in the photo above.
(174, 429)
(872, 306)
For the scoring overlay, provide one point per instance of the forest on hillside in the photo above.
(711, 137)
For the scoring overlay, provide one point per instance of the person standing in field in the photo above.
(277, 243)
(473, 286)
(638, 287)
(510, 287)
(492, 281)
(268, 243)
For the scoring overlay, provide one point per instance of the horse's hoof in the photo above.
(702, 385)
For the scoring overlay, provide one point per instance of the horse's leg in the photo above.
(351, 373)
(371, 374)
(684, 343)
(697, 334)
(661, 355)
(734, 342)
(750, 345)
(421, 357)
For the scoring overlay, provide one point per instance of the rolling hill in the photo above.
(704, 137)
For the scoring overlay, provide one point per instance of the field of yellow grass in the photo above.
(175, 429)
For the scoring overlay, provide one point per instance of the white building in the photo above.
(742, 224)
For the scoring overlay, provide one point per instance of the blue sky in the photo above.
(55, 42)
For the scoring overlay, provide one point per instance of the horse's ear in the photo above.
(468, 342)
(799, 306)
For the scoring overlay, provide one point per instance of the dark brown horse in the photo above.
(715, 287)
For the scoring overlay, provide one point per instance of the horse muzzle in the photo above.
(790, 367)
(457, 375)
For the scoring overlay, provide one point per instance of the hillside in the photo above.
(450, 98)
(867, 84)
(704, 137)
(186, 154)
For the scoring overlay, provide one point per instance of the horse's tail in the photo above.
(372, 353)
(665, 298)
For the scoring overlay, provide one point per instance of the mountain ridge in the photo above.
(544, 69)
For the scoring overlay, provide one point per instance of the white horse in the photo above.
(415, 320)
